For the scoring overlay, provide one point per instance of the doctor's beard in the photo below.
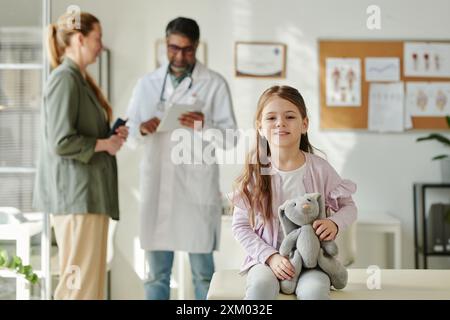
(181, 70)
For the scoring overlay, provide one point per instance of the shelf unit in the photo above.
(21, 78)
(18, 66)
(21, 74)
(420, 223)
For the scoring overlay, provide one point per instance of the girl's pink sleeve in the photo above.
(243, 232)
(339, 200)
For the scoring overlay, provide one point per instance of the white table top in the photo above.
(376, 218)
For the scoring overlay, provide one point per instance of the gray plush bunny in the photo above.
(302, 245)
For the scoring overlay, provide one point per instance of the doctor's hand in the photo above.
(281, 266)
(111, 145)
(188, 119)
(326, 229)
(149, 126)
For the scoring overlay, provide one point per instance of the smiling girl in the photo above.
(288, 169)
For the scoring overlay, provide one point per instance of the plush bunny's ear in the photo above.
(321, 202)
(281, 213)
(286, 224)
(281, 208)
(318, 197)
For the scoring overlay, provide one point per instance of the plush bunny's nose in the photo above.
(306, 206)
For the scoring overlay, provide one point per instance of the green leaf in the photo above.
(442, 156)
(436, 136)
(33, 278)
(2, 261)
(17, 262)
(27, 270)
(10, 264)
(448, 121)
(3, 258)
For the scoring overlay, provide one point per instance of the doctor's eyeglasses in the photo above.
(189, 50)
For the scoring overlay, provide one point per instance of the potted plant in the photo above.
(14, 263)
(444, 158)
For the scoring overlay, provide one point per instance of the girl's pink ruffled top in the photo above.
(260, 241)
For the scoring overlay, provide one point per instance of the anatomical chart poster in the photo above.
(423, 59)
(343, 82)
(428, 99)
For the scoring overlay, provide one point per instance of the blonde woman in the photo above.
(77, 171)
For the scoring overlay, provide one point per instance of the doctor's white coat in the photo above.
(180, 206)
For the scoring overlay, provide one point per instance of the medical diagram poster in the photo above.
(428, 99)
(427, 60)
(343, 82)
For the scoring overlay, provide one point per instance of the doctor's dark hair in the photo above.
(253, 186)
(59, 35)
(185, 27)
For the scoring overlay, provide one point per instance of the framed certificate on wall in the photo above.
(260, 59)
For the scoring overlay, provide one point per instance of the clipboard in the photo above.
(170, 120)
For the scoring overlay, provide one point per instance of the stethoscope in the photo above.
(163, 89)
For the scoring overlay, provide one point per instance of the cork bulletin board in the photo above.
(343, 117)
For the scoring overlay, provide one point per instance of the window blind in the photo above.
(20, 102)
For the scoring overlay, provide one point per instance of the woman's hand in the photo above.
(114, 143)
(111, 145)
(326, 229)
(122, 132)
(281, 266)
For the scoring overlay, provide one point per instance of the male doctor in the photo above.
(180, 205)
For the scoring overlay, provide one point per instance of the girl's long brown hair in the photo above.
(253, 186)
(59, 35)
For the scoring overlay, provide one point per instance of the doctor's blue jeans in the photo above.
(157, 286)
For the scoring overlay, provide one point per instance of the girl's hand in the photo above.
(122, 132)
(326, 229)
(281, 266)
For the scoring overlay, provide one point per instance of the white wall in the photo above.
(383, 165)
(22, 13)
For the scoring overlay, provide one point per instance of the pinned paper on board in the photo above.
(423, 59)
(428, 98)
(343, 82)
(426, 110)
(386, 107)
(382, 69)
